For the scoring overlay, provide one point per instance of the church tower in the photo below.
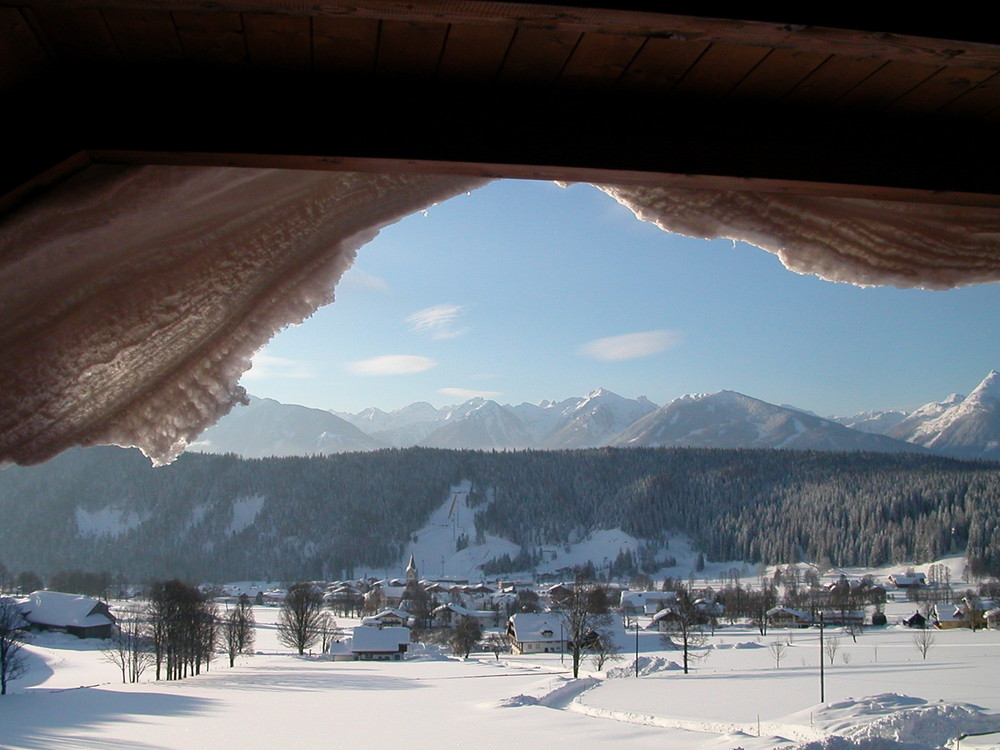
(411, 571)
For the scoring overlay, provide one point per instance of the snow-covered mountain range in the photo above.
(731, 420)
(268, 428)
(966, 427)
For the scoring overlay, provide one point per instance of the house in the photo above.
(370, 643)
(992, 618)
(388, 618)
(709, 609)
(531, 633)
(907, 580)
(786, 617)
(77, 615)
(450, 614)
(850, 617)
(635, 603)
(949, 617)
(916, 620)
(664, 620)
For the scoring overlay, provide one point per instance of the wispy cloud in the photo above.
(630, 345)
(468, 393)
(265, 367)
(361, 280)
(392, 364)
(438, 321)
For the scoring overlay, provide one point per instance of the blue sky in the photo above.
(523, 291)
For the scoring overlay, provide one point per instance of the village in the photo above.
(525, 617)
(920, 643)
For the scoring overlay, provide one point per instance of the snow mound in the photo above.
(553, 694)
(890, 721)
(914, 720)
(647, 665)
(867, 743)
(748, 644)
(517, 701)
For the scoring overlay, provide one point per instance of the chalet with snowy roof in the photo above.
(992, 617)
(636, 603)
(977, 607)
(77, 615)
(949, 617)
(559, 593)
(708, 608)
(450, 615)
(786, 617)
(536, 633)
(664, 619)
(370, 643)
(388, 618)
(848, 617)
(907, 580)
(916, 620)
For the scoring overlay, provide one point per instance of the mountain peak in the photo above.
(990, 387)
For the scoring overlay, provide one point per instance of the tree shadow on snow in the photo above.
(50, 719)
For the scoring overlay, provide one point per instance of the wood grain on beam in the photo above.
(798, 28)
(144, 36)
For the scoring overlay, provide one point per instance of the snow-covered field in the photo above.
(878, 691)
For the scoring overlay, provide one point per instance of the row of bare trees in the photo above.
(177, 633)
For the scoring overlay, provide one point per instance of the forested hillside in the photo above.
(222, 517)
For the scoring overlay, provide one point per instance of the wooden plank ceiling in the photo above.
(824, 105)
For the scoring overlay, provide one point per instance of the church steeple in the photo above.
(411, 570)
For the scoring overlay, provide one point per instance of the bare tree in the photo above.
(182, 628)
(497, 643)
(329, 631)
(604, 650)
(129, 648)
(239, 630)
(300, 618)
(830, 646)
(777, 650)
(684, 629)
(12, 637)
(923, 639)
(465, 636)
(585, 617)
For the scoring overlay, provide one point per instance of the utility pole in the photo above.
(822, 687)
(637, 645)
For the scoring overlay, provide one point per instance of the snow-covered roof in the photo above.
(387, 616)
(664, 614)
(949, 613)
(636, 599)
(796, 613)
(55, 609)
(379, 640)
(458, 609)
(536, 628)
(902, 579)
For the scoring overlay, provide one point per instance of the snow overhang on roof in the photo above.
(123, 321)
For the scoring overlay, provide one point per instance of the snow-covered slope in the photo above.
(912, 427)
(597, 419)
(479, 424)
(731, 420)
(875, 422)
(966, 428)
(268, 428)
(407, 426)
(542, 418)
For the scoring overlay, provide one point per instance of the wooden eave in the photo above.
(819, 102)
